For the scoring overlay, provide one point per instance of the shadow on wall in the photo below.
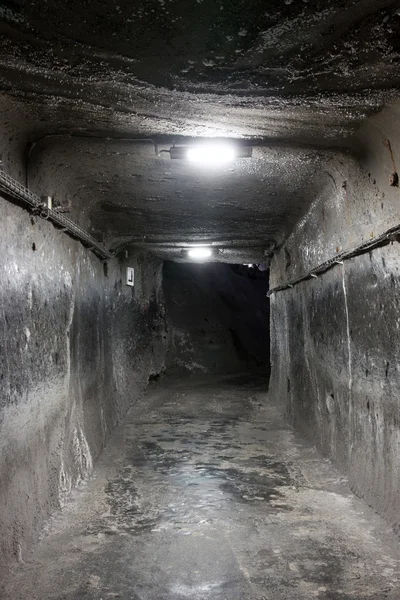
(218, 318)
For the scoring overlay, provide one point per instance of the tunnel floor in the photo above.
(206, 493)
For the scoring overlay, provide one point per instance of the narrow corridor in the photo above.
(206, 493)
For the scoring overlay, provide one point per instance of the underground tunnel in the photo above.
(199, 300)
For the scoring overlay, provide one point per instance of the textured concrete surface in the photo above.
(354, 203)
(289, 69)
(218, 318)
(335, 339)
(205, 492)
(335, 362)
(77, 348)
(257, 48)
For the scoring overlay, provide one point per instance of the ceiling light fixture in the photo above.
(210, 154)
(199, 253)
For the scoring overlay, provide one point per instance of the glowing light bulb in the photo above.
(211, 154)
(199, 253)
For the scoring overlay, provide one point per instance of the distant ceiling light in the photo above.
(199, 253)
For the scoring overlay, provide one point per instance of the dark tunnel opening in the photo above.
(218, 318)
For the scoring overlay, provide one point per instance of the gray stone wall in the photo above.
(77, 347)
(335, 339)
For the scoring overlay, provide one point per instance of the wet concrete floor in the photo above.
(206, 493)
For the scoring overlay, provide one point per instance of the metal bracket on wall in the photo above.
(390, 235)
(13, 189)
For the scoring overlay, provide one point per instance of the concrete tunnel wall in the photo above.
(336, 339)
(77, 348)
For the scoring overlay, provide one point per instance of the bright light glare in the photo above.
(199, 253)
(211, 154)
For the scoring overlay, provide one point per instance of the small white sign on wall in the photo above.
(130, 276)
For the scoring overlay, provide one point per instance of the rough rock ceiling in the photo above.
(300, 73)
(251, 203)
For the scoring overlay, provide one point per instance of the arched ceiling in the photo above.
(294, 77)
